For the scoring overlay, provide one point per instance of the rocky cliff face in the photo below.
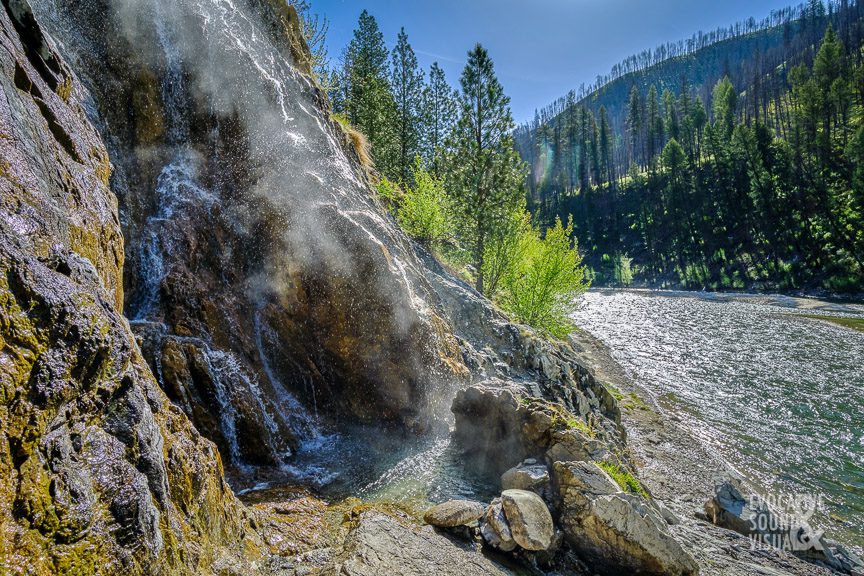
(99, 472)
(261, 274)
(264, 287)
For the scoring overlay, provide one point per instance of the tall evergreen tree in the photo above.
(439, 114)
(485, 173)
(725, 102)
(606, 161)
(634, 123)
(368, 101)
(407, 84)
(653, 125)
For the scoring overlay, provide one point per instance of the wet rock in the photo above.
(497, 427)
(381, 545)
(454, 513)
(495, 529)
(99, 471)
(244, 249)
(499, 349)
(529, 519)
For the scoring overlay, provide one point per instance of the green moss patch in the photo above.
(845, 322)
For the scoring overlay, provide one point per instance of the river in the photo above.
(779, 395)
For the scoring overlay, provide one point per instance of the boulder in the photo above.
(454, 513)
(495, 529)
(529, 519)
(498, 426)
(734, 508)
(617, 532)
(532, 477)
(573, 445)
(731, 509)
(621, 533)
(577, 484)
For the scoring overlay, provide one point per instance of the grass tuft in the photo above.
(624, 479)
(357, 140)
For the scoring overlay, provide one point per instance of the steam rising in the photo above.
(217, 56)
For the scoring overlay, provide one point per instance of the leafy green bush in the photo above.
(389, 193)
(506, 249)
(540, 289)
(423, 210)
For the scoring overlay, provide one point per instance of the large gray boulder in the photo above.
(617, 532)
(533, 477)
(529, 519)
(454, 513)
(498, 426)
(622, 532)
(735, 508)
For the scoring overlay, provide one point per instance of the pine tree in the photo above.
(654, 125)
(606, 161)
(634, 123)
(485, 173)
(368, 101)
(439, 113)
(407, 84)
(670, 111)
(725, 101)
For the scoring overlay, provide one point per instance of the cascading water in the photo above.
(301, 423)
(216, 64)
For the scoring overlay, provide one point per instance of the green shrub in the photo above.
(541, 288)
(423, 210)
(506, 250)
(623, 270)
(389, 192)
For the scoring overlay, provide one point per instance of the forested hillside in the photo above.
(728, 161)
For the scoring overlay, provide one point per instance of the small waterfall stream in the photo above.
(215, 52)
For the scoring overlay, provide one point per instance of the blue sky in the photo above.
(541, 48)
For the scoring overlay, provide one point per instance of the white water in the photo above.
(304, 426)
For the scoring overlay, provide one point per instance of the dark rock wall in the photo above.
(99, 472)
(300, 277)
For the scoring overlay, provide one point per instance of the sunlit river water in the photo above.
(780, 396)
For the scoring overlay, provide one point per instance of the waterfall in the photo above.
(303, 425)
(215, 63)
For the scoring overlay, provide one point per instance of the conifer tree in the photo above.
(725, 102)
(407, 84)
(439, 113)
(485, 173)
(634, 123)
(368, 101)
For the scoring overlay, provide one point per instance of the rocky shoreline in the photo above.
(681, 471)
